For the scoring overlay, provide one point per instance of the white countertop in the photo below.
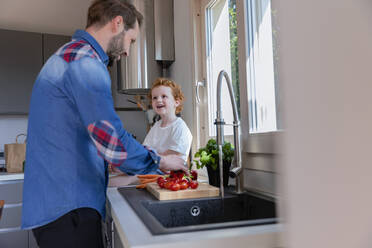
(135, 234)
(4, 176)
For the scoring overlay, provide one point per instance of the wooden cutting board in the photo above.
(203, 190)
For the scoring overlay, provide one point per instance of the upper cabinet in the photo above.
(20, 62)
(51, 43)
(22, 56)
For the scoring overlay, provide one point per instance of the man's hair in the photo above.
(176, 91)
(103, 11)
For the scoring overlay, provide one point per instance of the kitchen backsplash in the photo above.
(10, 127)
(134, 122)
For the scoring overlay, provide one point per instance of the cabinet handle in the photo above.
(10, 229)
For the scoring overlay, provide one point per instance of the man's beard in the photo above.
(115, 47)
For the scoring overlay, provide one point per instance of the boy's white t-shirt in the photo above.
(176, 137)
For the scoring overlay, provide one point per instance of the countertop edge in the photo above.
(11, 176)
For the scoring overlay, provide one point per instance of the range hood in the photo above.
(152, 53)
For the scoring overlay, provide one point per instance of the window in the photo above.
(237, 36)
(221, 39)
(260, 67)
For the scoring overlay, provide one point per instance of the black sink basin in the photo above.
(174, 216)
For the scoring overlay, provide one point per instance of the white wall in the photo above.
(44, 16)
(134, 122)
(181, 70)
(10, 127)
(325, 51)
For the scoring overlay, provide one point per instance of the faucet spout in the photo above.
(219, 122)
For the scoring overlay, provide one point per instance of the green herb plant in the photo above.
(208, 155)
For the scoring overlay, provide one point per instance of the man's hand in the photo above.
(172, 162)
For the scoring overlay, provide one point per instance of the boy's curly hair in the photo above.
(176, 91)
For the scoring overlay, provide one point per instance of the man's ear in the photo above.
(117, 24)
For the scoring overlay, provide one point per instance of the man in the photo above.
(74, 133)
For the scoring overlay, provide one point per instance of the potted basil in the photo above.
(208, 156)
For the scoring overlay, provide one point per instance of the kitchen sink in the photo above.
(175, 216)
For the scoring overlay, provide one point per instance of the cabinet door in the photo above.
(51, 43)
(20, 63)
(116, 241)
(14, 238)
(11, 234)
(11, 191)
(11, 217)
(31, 240)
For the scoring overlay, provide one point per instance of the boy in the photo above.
(170, 135)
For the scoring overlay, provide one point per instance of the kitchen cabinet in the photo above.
(31, 240)
(110, 231)
(22, 56)
(11, 234)
(51, 43)
(14, 238)
(116, 241)
(20, 63)
(11, 191)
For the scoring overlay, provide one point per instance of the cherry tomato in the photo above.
(184, 184)
(194, 184)
(161, 184)
(175, 187)
(188, 181)
(194, 175)
(168, 184)
(172, 174)
(160, 179)
(180, 174)
(172, 179)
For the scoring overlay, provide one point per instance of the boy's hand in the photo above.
(172, 163)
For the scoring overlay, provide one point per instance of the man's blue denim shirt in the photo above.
(73, 133)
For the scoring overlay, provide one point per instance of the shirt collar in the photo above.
(82, 34)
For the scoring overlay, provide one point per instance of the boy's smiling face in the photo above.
(163, 101)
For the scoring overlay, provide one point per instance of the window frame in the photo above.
(251, 142)
(263, 143)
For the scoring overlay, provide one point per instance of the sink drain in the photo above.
(195, 210)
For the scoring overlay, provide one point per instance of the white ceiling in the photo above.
(45, 16)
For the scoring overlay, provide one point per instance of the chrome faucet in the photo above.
(235, 172)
